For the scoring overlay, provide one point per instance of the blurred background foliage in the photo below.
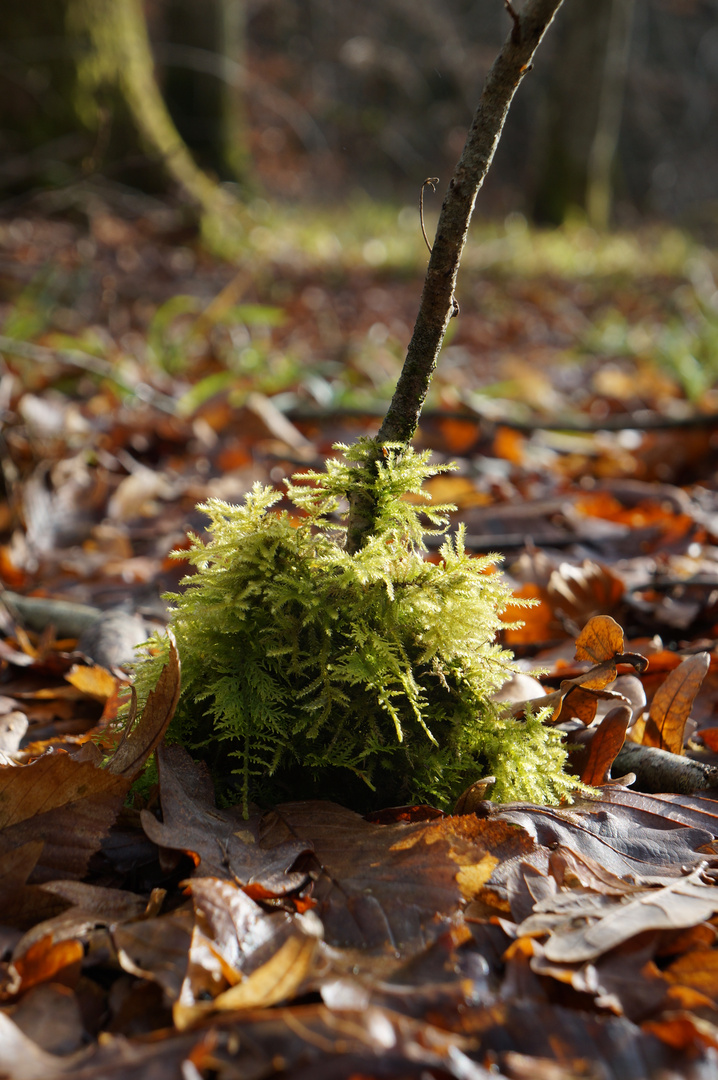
(316, 100)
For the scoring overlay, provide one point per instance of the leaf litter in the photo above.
(156, 933)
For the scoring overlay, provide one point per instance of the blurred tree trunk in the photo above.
(38, 128)
(204, 79)
(119, 59)
(583, 114)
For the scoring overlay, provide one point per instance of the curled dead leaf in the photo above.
(137, 744)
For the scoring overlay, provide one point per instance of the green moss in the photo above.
(307, 671)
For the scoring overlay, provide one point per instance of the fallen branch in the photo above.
(660, 771)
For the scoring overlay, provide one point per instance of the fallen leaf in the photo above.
(226, 845)
(672, 702)
(392, 886)
(584, 592)
(94, 681)
(156, 949)
(683, 1031)
(698, 970)
(68, 804)
(710, 738)
(21, 1058)
(607, 741)
(584, 926)
(601, 639)
(45, 960)
(146, 735)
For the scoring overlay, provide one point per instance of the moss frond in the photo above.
(365, 677)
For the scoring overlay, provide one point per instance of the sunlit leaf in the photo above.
(672, 702)
(136, 747)
(600, 639)
(606, 743)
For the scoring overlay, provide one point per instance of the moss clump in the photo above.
(308, 671)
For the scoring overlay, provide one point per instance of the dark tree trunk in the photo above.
(583, 111)
(205, 70)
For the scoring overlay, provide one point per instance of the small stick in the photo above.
(432, 181)
(516, 32)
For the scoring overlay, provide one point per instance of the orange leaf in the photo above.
(458, 435)
(682, 1030)
(510, 445)
(96, 681)
(578, 704)
(600, 639)
(698, 970)
(710, 737)
(48, 961)
(537, 622)
(608, 740)
(672, 702)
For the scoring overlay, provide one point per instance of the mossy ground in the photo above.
(367, 677)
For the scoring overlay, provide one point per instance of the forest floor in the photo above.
(156, 934)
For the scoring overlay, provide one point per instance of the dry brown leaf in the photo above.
(68, 804)
(672, 702)
(136, 747)
(582, 926)
(601, 639)
(50, 1014)
(21, 1058)
(584, 592)
(607, 741)
(393, 886)
(224, 843)
(156, 949)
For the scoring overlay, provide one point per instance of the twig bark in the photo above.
(660, 771)
(437, 301)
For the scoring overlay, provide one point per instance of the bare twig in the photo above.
(658, 770)
(432, 181)
(437, 305)
(516, 31)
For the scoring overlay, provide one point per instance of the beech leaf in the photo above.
(601, 639)
(584, 926)
(605, 744)
(146, 735)
(672, 703)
